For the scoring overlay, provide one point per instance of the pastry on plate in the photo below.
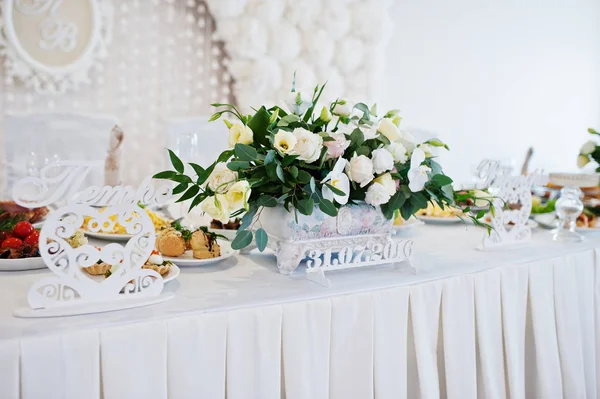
(204, 245)
(99, 269)
(170, 242)
(158, 264)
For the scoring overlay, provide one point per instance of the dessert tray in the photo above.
(187, 259)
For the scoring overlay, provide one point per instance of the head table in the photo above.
(517, 322)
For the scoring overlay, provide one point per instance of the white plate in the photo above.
(171, 275)
(408, 225)
(440, 220)
(187, 259)
(548, 220)
(107, 236)
(22, 264)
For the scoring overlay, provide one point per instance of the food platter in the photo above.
(440, 219)
(549, 221)
(188, 260)
(22, 264)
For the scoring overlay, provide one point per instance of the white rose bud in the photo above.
(297, 104)
(240, 134)
(342, 108)
(284, 142)
(377, 194)
(308, 145)
(325, 115)
(408, 141)
(386, 181)
(217, 209)
(398, 152)
(238, 194)
(582, 160)
(588, 148)
(221, 178)
(382, 160)
(360, 170)
(389, 130)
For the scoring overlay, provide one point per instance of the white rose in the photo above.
(377, 194)
(217, 207)
(588, 148)
(360, 170)
(408, 141)
(386, 181)
(221, 178)
(342, 108)
(389, 129)
(308, 145)
(240, 134)
(582, 160)
(284, 142)
(382, 160)
(398, 152)
(238, 194)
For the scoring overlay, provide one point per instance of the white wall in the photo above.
(492, 78)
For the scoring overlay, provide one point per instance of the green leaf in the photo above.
(259, 123)
(383, 139)
(176, 162)
(397, 200)
(245, 152)
(357, 137)
(480, 214)
(313, 186)
(197, 168)
(242, 239)
(199, 198)
(181, 187)
(288, 159)
(204, 175)
(279, 171)
(181, 179)
(225, 155)
(441, 180)
(237, 165)
(191, 192)
(327, 207)
(270, 157)
(261, 239)
(266, 200)
(303, 176)
(365, 109)
(363, 150)
(419, 200)
(248, 218)
(167, 174)
(294, 171)
(274, 116)
(306, 206)
(336, 191)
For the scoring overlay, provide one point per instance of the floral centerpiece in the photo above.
(304, 157)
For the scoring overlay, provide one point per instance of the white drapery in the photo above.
(528, 330)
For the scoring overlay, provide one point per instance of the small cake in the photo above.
(158, 264)
(204, 245)
(99, 269)
(170, 242)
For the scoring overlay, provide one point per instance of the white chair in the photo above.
(35, 140)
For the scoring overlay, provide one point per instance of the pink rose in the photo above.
(338, 146)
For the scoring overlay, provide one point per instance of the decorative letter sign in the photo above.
(512, 203)
(72, 290)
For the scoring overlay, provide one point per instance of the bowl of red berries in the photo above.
(19, 246)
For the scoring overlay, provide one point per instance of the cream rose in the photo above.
(240, 134)
(382, 160)
(238, 194)
(217, 207)
(284, 142)
(588, 148)
(377, 194)
(389, 129)
(308, 145)
(221, 178)
(360, 170)
(386, 181)
(397, 151)
(408, 141)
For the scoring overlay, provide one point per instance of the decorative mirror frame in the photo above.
(20, 65)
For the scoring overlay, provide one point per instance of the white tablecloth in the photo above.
(515, 323)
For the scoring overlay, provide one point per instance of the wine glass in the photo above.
(568, 208)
